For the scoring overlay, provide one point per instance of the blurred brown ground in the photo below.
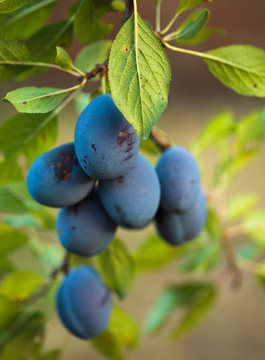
(235, 329)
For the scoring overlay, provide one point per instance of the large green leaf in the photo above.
(25, 21)
(20, 285)
(7, 6)
(10, 171)
(10, 239)
(139, 74)
(122, 333)
(36, 100)
(88, 26)
(92, 55)
(12, 54)
(240, 67)
(193, 25)
(30, 134)
(117, 267)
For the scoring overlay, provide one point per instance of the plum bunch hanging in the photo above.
(101, 182)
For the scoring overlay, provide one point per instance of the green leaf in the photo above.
(88, 26)
(25, 341)
(117, 267)
(92, 55)
(219, 127)
(43, 43)
(36, 100)
(8, 312)
(11, 201)
(240, 67)
(254, 226)
(63, 59)
(30, 134)
(118, 5)
(193, 25)
(241, 205)
(20, 285)
(25, 21)
(12, 55)
(185, 5)
(122, 333)
(155, 253)
(196, 312)
(149, 146)
(81, 101)
(6, 265)
(250, 129)
(10, 171)
(10, 239)
(7, 6)
(194, 297)
(139, 74)
(202, 36)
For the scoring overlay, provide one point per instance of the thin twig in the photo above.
(162, 143)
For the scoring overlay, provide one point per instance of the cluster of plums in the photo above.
(101, 181)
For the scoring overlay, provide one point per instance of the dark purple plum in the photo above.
(56, 179)
(106, 144)
(179, 177)
(177, 229)
(85, 228)
(132, 199)
(84, 303)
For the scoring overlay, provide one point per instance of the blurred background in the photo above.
(235, 328)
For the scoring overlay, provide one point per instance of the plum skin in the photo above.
(56, 179)
(84, 303)
(132, 199)
(177, 229)
(106, 143)
(179, 177)
(85, 228)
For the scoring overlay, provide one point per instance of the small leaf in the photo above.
(185, 5)
(51, 355)
(92, 55)
(254, 226)
(122, 333)
(241, 205)
(219, 127)
(155, 253)
(149, 146)
(193, 25)
(8, 312)
(240, 67)
(6, 266)
(202, 36)
(250, 129)
(117, 267)
(10, 239)
(25, 21)
(11, 201)
(193, 297)
(7, 6)
(81, 101)
(10, 171)
(197, 310)
(20, 285)
(36, 100)
(118, 5)
(63, 59)
(139, 74)
(88, 26)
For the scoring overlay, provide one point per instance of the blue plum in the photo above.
(84, 303)
(85, 228)
(179, 177)
(132, 199)
(177, 229)
(106, 144)
(56, 179)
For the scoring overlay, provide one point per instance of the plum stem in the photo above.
(162, 143)
(63, 267)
